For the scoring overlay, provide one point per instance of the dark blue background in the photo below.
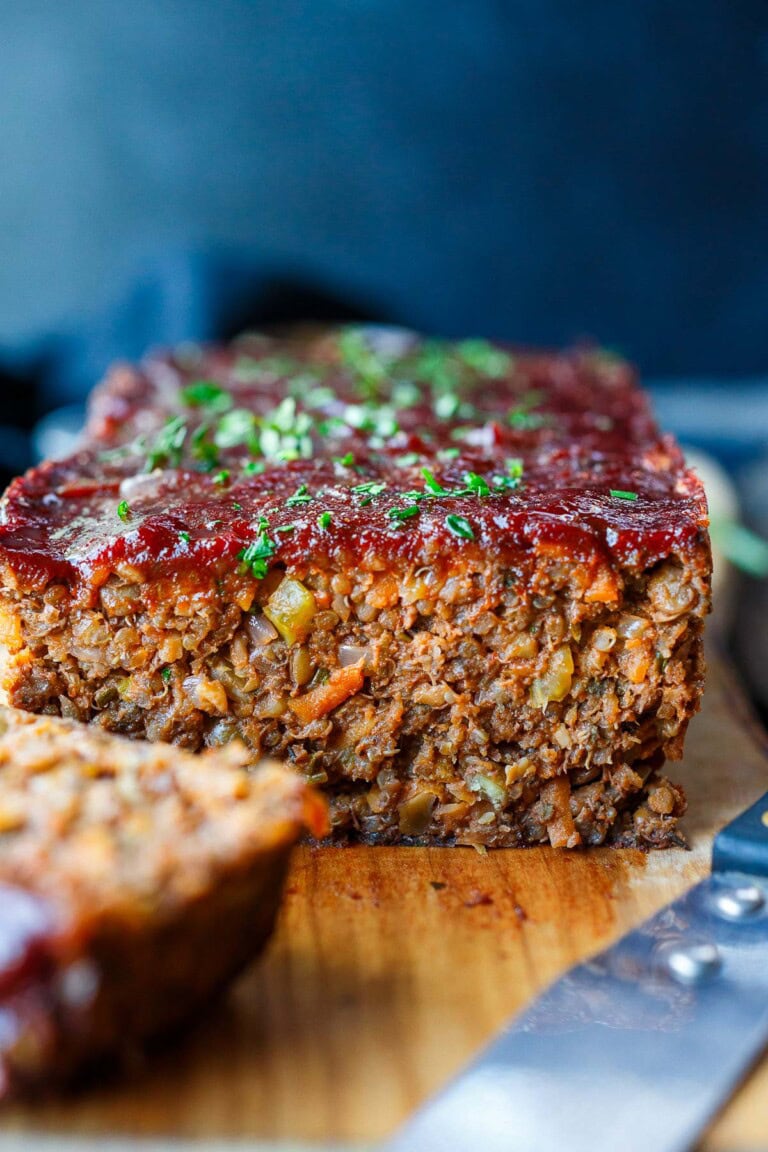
(537, 170)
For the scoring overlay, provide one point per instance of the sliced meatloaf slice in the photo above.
(459, 587)
(136, 880)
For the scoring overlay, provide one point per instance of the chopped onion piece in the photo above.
(260, 630)
(351, 654)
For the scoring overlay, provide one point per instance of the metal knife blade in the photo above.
(637, 1048)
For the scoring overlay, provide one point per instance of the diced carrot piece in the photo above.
(385, 592)
(561, 829)
(603, 587)
(343, 683)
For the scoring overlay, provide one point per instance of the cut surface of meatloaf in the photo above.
(459, 587)
(136, 880)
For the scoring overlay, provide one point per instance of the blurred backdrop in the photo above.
(533, 170)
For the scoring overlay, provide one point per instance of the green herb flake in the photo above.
(330, 426)
(377, 419)
(405, 394)
(485, 358)
(237, 426)
(184, 537)
(203, 449)
(476, 484)
(346, 461)
(447, 405)
(459, 526)
(257, 554)
(448, 453)
(286, 528)
(315, 397)
(324, 521)
(400, 514)
(206, 394)
(168, 444)
(124, 511)
(300, 496)
(437, 366)
(524, 421)
(620, 494)
(166, 673)
(237, 507)
(432, 485)
(221, 477)
(407, 460)
(254, 467)
(368, 369)
(369, 490)
(285, 433)
(514, 476)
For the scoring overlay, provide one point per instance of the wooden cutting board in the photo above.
(392, 966)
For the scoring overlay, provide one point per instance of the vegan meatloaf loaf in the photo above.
(135, 881)
(461, 588)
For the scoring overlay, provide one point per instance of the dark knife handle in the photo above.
(742, 846)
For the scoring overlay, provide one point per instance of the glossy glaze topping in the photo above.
(356, 446)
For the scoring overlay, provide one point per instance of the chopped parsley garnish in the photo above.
(315, 397)
(526, 421)
(330, 425)
(222, 477)
(166, 673)
(251, 370)
(345, 461)
(447, 405)
(206, 394)
(286, 528)
(620, 494)
(257, 554)
(459, 526)
(369, 490)
(238, 426)
(522, 417)
(300, 496)
(407, 460)
(254, 467)
(436, 365)
(377, 419)
(237, 507)
(203, 449)
(285, 433)
(484, 358)
(432, 485)
(514, 476)
(448, 453)
(405, 394)
(368, 369)
(168, 444)
(401, 514)
(476, 484)
(324, 521)
(123, 510)
(184, 537)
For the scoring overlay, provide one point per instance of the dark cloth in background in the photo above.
(532, 170)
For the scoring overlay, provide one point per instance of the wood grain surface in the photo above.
(392, 966)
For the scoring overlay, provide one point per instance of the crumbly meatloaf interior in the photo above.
(118, 860)
(488, 705)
